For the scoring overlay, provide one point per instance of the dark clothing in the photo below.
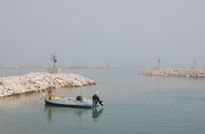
(96, 99)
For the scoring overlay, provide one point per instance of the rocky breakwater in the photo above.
(35, 82)
(168, 72)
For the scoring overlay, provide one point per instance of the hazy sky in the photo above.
(127, 32)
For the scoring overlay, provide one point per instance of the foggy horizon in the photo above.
(128, 33)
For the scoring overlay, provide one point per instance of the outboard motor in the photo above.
(96, 99)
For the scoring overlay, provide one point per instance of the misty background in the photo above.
(129, 33)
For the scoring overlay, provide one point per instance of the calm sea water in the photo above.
(133, 105)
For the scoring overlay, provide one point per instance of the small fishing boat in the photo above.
(78, 102)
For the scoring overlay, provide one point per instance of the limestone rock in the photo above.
(187, 72)
(40, 81)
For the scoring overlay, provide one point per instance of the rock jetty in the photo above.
(35, 82)
(168, 72)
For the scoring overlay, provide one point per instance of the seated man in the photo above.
(50, 92)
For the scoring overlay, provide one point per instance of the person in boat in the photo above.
(96, 99)
(50, 92)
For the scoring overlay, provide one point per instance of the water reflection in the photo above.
(52, 112)
(96, 113)
(26, 101)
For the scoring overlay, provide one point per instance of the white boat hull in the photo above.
(68, 102)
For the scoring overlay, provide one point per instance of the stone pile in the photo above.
(35, 82)
(168, 72)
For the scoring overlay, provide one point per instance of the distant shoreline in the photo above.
(107, 66)
(193, 72)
